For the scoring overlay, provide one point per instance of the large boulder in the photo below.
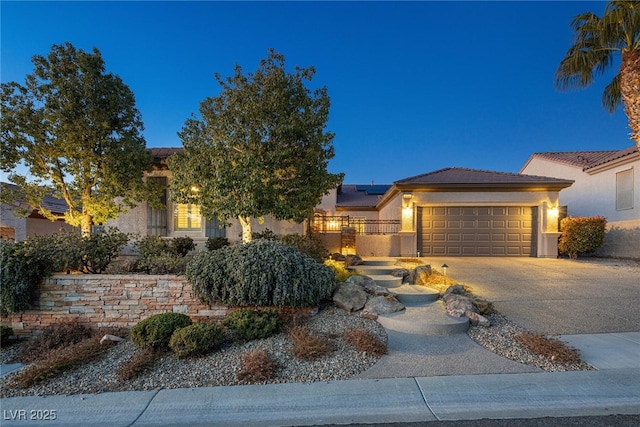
(349, 296)
(351, 260)
(403, 273)
(369, 285)
(459, 302)
(419, 275)
(383, 305)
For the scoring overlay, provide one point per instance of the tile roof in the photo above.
(163, 153)
(586, 159)
(350, 195)
(49, 202)
(476, 177)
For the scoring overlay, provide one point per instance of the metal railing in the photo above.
(327, 224)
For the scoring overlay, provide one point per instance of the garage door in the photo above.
(477, 231)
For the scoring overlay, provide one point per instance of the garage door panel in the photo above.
(477, 230)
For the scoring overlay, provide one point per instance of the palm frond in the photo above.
(612, 95)
(621, 24)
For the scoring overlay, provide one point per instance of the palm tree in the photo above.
(597, 42)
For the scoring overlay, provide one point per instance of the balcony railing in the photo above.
(330, 224)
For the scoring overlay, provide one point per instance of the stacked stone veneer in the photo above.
(109, 301)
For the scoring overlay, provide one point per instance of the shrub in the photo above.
(307, 345)
(23, 266)
(583, 235)
(101, 247)
(215, 243)
(196, 339)
(182, 245)
(365, 342)
(257, 366)
(251, 324)
(5, 333)
(341, 273)
(54, 337)
(142, 360)
(60, 360)
(311, 246)
(264, 235)
(259, 273)
(155, 331)
(556, 350)
(161, 256)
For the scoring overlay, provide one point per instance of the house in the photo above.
(180, 220)
(448, 212)
(14, 226)
(606, 183)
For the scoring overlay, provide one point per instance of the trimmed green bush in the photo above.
(182, 245)
(582, 235)
(23, 265)
(308, 245)
(215, 243)
(163, 256)
(155, 331)
(196, 339)
(252, 324)
(5, 333)
(102, 247)
(259, 273)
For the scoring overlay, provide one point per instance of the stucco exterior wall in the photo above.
(594, 194)
(9, 220)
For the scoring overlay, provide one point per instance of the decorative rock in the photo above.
(338, 257)
(419, 275)
(402, 272)
(484, 306)
(383, 305)
(109, 337)
(369, 285)
(368, 315)
(349, 296)
(477, 319)
(459, 302)
(352, 260)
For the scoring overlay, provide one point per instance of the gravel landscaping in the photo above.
(222, 367)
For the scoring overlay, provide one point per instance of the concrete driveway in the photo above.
(555, 296)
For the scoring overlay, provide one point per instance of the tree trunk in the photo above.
(630, 89)
(245, 222)
(86, 225)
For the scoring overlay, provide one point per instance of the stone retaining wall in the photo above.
(109, 301)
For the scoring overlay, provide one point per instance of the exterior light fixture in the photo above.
(444, 269)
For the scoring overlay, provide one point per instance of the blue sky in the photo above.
(414, 86)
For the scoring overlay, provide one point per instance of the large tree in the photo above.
(259, 149)
(77, 131)
(598, 40)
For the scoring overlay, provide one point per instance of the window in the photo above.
(214, 228)
(624, 190)
(186, 217)
(358, 223)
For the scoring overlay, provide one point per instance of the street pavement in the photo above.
(609, 395)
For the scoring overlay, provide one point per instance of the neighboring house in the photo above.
(180, 220)
(17, 227)
(452, 212)
(607, 183)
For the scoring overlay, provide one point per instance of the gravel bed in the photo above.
(218, 368)
(221, 368)
(499, 338)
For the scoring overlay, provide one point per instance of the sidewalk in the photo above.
(615, 389)
(528, 395)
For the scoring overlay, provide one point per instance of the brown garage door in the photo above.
(477, 231)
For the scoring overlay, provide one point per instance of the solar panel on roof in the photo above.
(374, 190)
